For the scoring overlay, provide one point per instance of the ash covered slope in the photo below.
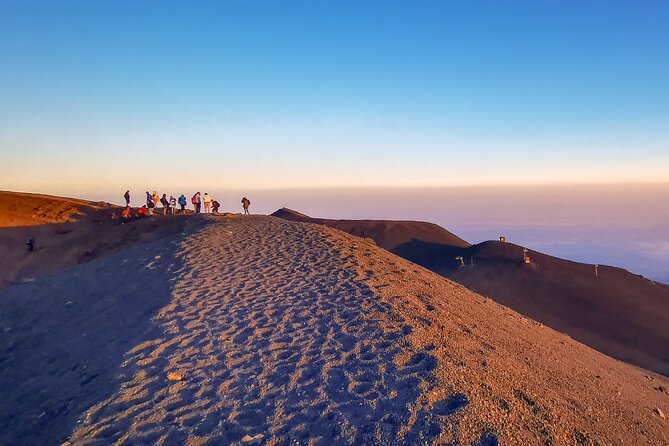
(621, 314)
(388, 234)
(618, 313)
(67, 232)
(286, 332)
(27, 209)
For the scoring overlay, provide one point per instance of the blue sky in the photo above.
(100, 95)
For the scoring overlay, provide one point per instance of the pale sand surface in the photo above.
(294, 333)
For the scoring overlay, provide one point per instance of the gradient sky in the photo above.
(98, 95)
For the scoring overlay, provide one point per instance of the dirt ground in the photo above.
(258, 330)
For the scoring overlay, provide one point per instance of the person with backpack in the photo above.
(207, 203)
(182, 202)
(150, 205)
(173, 204)
(127, 198)
(155, 198)
(214, 206)
(245, 204)
(165, 202)
(197, 202)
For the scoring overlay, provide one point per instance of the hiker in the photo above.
(207, 203)
(31, 244)
(214, 206)
(155, 198)
(144, 211)
(126, 213)
(127, 198)
(149, 199)
(173, 204)
(197, 202)
(165, 203)
(182, 202)
(149, 206)
(246, 203)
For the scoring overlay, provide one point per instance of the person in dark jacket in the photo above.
(31, 244)
(165, 202)
(127, 198)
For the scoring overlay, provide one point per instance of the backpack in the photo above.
(193, 200)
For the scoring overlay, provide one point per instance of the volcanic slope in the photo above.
(261, 330)
(27, 209)
(621, 314)
(67, 232)
(388, 234)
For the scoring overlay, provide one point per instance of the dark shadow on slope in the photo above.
(616, 312)
(63, 245)
(64, 336)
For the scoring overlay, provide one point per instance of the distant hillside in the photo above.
(621, 314)
(388, 234)
(24, 209)
(616, 312)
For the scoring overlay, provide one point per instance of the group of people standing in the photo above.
(169, 205)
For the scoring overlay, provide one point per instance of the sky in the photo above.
(99, 96)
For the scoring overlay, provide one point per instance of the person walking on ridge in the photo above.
(207, 203)
(127, 198)
(182, 202)
(173, 205)
(245, 204)
(149, 199)
(165, 202)
(197, 202)
(155, 198)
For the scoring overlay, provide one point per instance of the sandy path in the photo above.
(273, 336)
